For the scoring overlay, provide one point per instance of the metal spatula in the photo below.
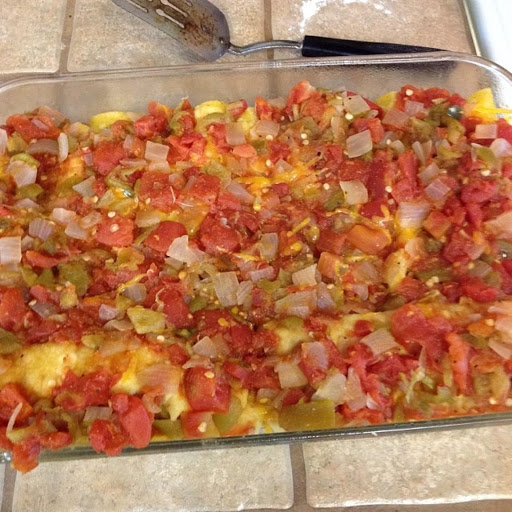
(203, 28)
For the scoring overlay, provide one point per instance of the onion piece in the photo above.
(501, 147)
(10, 250)
(480, 269)
(181, 251)
(56, 116)
(63, 147)
(398, 146)
(332, 388)
(412, 214)
(90, 220)
(23, 173)
(147, 218)
(268, 245)
(503, 307)
(354, 395)
(63, 216)
(49, 146)
(106, 312)
(40, 228)
(355, 104)
(40, 124)
(324, 299)
(422, 151)
(290, 375)
(205, 347)
(26, 204)
(84, 188)
(359, 144)
(133, 162)
(380, 341)
(128, 143)
(305, 277)
(396, 118)
(243, 292)
(12, 418)
(415, 247)
(262, 273)
(119, 325)
(502, 349)
(136, 292)
(240, 192)
(44, 309)
(361, 290)
(297, 304)
(74, 230)
(355, 191)
(501, 225)
(226, 287)
(266, 127)
(235, 134)
(413, 108)
(486, 131)
(429, 173)
(156, 152)
(3, 141)
(94, 412)
(437, 190)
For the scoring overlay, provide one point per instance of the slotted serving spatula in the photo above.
(203, 28)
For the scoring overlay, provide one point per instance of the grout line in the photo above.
(8, 488)
(267, 25)
(300, 503)
(66, 36)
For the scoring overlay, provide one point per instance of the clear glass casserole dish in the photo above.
(81, 95)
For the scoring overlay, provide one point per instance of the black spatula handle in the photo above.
(314, 46)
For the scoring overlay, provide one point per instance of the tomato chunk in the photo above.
(107, 155)
(116, 231)
(206, 391)
(12, 309)
(460, 355)
(11, 396)
(176, 309)
(163, 236)
(155, 189)
(134, 419)
(25, 454)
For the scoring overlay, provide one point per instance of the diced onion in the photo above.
(501, 147)
(266, 127)
(50, 146)
(290, 375)
(324, 299)
(413, 108)
(10, 250)
(147, 218)
(262, 273)
(235, 134)
(480, 269)
(361, 290)
(136, 292)
(155, 151)
(133, 162)
(501, 225)
(226, 287)
(84, 188)
(437, 190)
(486, 131)
(40, 228)
(412, 214)
(268, 245)
(63, 216)
(298, 304)
(12, 418)
(40, 124)
(398, 146)
(354, 395)
(359, 144)
(415, 247)
(355, 191)
(305, 277)
(161, 375)
(117, 345)
(23, 173)
(56, 116)
(3, 141)
(422, 150)
(502, 349)
(503, 324)
(206, 347)
(159, 165)
(504, 307)
(181, 251)
(282, 166)
(380, 341)
(44, 309)
(429, 173)
(88, 158)
(119, 325)
(27, 242)
(128, 142)
(63, 147)
(107, 312)
(26, 204)
(240, 192)
(355, 104)
(475, 251)
(396, 118)
(243, 292)
(90, 220)
(333, 388)
(94, 412)
(74, 230)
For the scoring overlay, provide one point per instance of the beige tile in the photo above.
(107, 37)
(435, 23)
(30, 35)
(213, 480)
(436, 467)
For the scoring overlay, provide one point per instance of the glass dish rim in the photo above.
(458, 422)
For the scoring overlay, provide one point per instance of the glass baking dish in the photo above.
(81, 95)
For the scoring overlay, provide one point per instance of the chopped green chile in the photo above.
(76, 273)
(225, 422)
(313, 415)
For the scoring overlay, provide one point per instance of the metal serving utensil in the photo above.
(203, 28)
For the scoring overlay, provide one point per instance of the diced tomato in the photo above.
(437, 224)
(36, 127)
(213, 321)
(162, 237)
(457, 248)
(411, 289)
(278, 151)
(133, 417)
(107, 155)
(227, 201)
(476, 289)
(376, 129)
(451, 290)
(186, 145)
(206, 391)
(373, 209)
(177, 354)
(11, 395)
(219, 239)
(460, 354)
(504, 130)
(478, 191)
(264, 110)
(237, 108)
(408, 165)
(330, 241)
(354, 169)
(206, 188)
(300, 93)
(116, 231)
(146, 127)
(293, 396)
(264, 377)
(390, 368)
(241, 342)
(175, 308)
(195, 424)
(371, 416)
(12, 309)
(404, 190)
(329, 265)
(238, 372)
(25, 454)
(370, 241)
(156, 189)
(38, 259)
(55, 440)
(76, 393)
(245, 151)
(314, 361)
(475, 214)
(315, 106)
(362, 328)
(105, 436)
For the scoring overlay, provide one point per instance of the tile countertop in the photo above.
(433, 472)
